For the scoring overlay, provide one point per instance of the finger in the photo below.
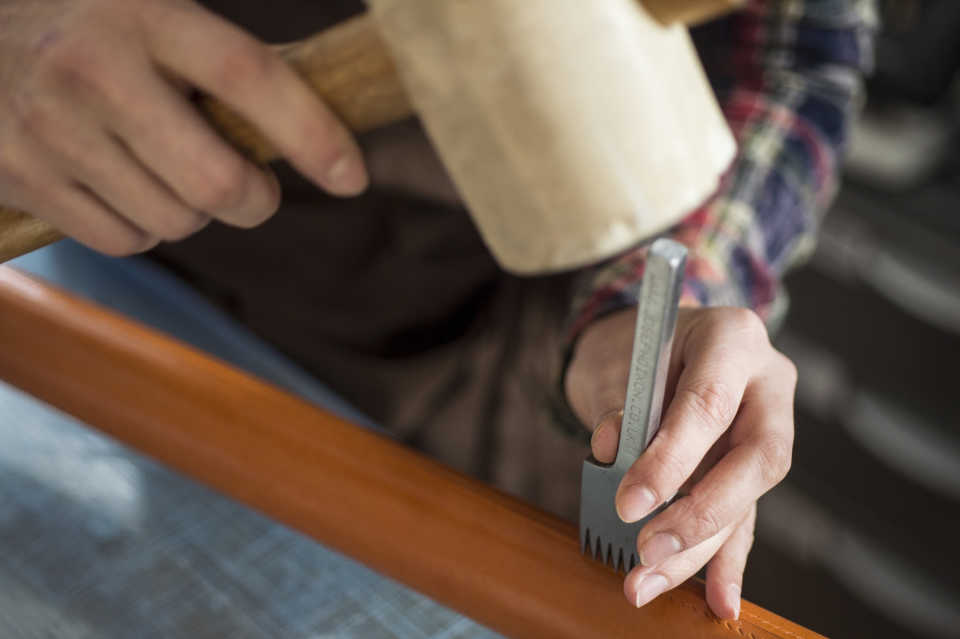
(716, 370)
(32, 184)
(606, 437)
(123, 183)
(80, 214)
(231, 65)
(170, 139)
(759, 457)
(725, 570)
(89, 156)
(645, 583)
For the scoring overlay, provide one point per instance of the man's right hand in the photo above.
(98, 137)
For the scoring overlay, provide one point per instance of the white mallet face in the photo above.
(572, 129)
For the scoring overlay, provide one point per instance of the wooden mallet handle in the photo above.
(688, 12)
(350, 68)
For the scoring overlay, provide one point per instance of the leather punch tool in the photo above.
(602, 533)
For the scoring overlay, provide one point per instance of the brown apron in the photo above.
(397, 305)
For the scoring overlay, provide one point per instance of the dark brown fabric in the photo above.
(397, 305)
(277, 21)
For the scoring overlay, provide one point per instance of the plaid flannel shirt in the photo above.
(788, 76)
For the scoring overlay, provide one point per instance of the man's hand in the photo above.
(98, 138)
(725, 439)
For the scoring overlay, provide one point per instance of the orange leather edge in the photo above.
(502, 562)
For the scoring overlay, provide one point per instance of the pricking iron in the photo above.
(602, 533)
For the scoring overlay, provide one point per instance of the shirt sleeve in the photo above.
(788, 77)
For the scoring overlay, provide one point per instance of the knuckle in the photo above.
(704, 522)
(262, 212)
(746, 322)
(74, 64)
(713, 402)
(78, 74)
(223, 186)
(245, 64)
(69, 73)
(14, 175)
(322, 139)
(789, 368)
(34, 116)
(55, 51)
(776, 458)
(199, 222)
(669, 472)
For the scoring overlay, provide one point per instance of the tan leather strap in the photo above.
(497, 560)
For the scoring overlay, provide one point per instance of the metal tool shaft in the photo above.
(652, 344)
(602, 533)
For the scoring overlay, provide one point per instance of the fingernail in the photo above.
(596, 433)
(637, 502)
(603, 444)
(734, 595)
(658, 548)
(649, 587)
(347, 176)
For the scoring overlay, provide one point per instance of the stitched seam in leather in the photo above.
(749, 617)
(763, 622)
(726, 625)
(737, 629)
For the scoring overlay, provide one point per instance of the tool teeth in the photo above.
(597, 548)
(614, 556)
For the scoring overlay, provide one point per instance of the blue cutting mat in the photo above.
(98, 541)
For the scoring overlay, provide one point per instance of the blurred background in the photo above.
(862, 538)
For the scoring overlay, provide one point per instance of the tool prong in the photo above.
(610, 539)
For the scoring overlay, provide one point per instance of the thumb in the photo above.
(606, 436)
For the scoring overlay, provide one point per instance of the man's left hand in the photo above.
(725, 439)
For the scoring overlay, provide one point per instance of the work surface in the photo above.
(100, 542)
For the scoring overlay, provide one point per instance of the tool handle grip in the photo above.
(688, 12)
(20, 233)
(348, 66)
(660, 293)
